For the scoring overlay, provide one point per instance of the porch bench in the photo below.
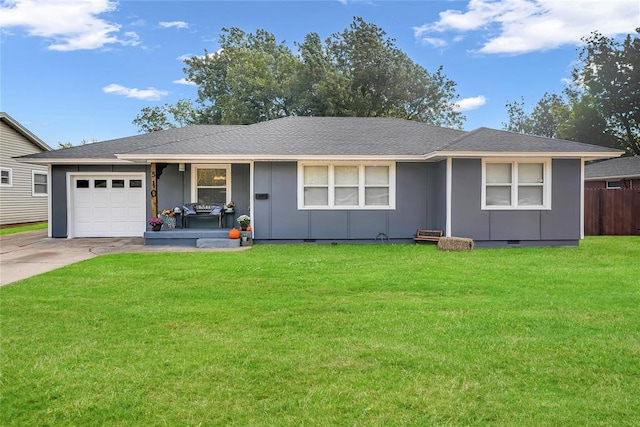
(203, 213)
(427, 236)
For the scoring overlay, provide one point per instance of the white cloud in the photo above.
(182, 58)
(520, 26)
(184, 81)
(468, 104)
(174, 24)
(68, 24)
(435, 42)
(149, 94)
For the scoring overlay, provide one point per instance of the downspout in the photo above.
(448, 191)
(581, 198)
(49, 197)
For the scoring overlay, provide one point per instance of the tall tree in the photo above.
(544, 120)
(609, 72)
(361, 72)
(357, 72)
(250, 79)
(168, 116)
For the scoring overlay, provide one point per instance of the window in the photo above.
(135, 183)
(117, 183)
(100, 183)
(614, 185)
(346, 186)
(6, 177)
(516, 184)
(39, 181)
(82, 183)
(211, 184)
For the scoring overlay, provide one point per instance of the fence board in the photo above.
(611, 212)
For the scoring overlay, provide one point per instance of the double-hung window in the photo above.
(6, 177)
(516, 184)
(40, 180)
(211, 184)
(346, 185)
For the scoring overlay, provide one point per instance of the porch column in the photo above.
(154, 191)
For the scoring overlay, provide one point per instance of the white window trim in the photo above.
(361, 185)
(10, 184)
(546, 186)
(33, 183)
(619, 182)
(194, 179)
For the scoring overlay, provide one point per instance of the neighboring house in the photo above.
(612, 197)
(330, 179)
(623, 172)
(23, 187)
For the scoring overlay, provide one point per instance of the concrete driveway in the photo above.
(23, 255)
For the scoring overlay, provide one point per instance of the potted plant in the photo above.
(244, 221)
(155, 223)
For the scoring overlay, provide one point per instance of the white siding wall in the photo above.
(17, 203)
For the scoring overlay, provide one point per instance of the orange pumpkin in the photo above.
(248, 228)
(234, 233)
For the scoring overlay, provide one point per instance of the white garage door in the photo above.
(108, 205)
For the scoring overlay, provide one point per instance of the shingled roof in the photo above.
(317, 136)
(492, 140)
(313, 137)
(108, 149)
(623, 167)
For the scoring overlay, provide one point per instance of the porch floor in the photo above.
(188, 237)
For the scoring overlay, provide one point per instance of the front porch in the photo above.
(195, 237)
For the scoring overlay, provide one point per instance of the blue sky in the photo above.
(82, 70)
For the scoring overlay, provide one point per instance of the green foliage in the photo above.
(544, 120)
(357, 72)
(168, 116)
(294, 335)
(609, 72)
(601, 107)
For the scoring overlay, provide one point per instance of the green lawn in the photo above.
(22, 228)
(328, 335)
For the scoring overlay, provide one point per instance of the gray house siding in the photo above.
(420, 192)
(59, 212)
(560, 225)
(17, 202)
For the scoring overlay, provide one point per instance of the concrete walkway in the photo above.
(24, 255)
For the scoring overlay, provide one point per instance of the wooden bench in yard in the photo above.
(427, 236)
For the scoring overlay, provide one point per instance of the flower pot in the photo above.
(156, 227)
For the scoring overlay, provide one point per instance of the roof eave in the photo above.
(191, 158)
(71, 161)
(617, 177)
(25, 132)
(554, 154)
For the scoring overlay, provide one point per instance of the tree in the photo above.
(250, 79)
(575, 118)
(168, 116)
(583, 122)
(544, 120)
(384, 81)
(609, 73)
(70, 144)
(357, 72)
(601, 107)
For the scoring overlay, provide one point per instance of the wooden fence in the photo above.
(611, 212)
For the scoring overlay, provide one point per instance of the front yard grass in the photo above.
(22, 228)
(329, 335)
